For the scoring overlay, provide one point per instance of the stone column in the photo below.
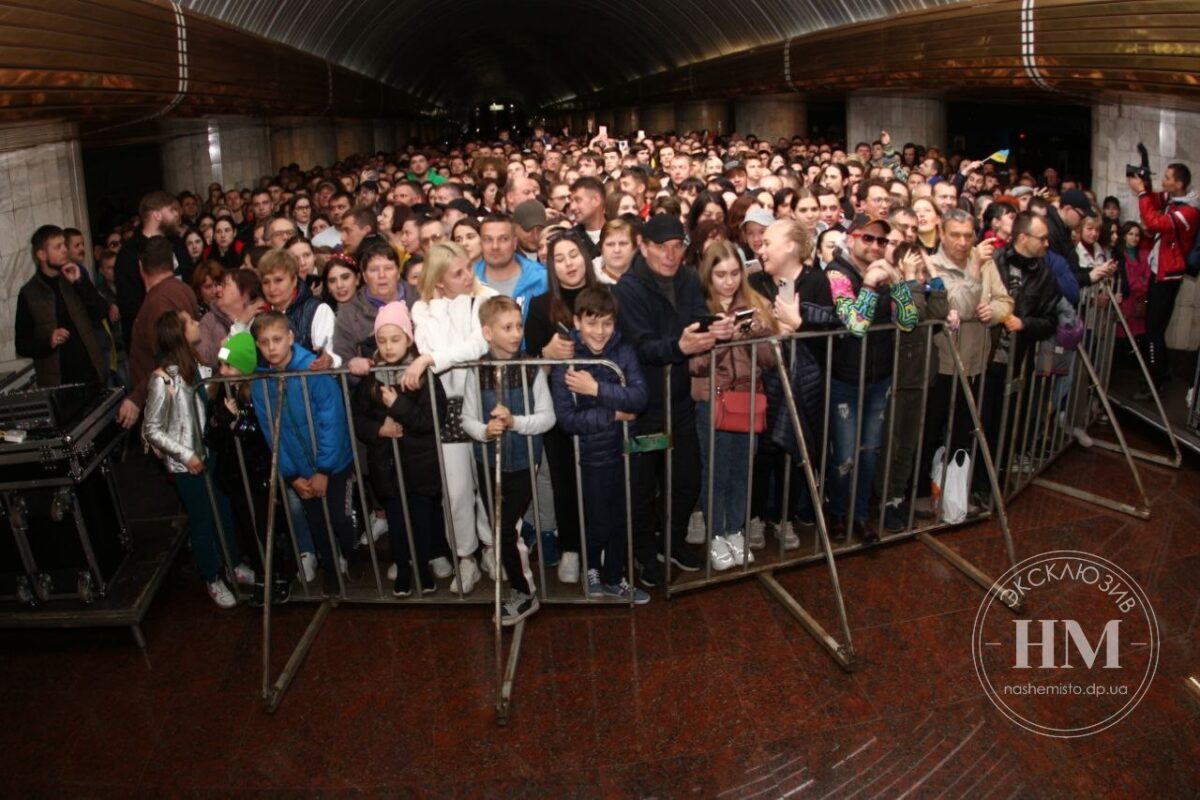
(384, 136)
(354, 137)
(771, 117)
(233, 151)
(710, 115)
(41, 183)
(307, 141)
(1169, 136)
(921, 120)
(657, 119)
(627, 119)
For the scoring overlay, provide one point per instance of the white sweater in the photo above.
(449, 332)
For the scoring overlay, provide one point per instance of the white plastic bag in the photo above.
(956, 490)
(936, 480)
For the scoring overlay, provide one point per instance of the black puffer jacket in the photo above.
(592, 418)
(418, 446)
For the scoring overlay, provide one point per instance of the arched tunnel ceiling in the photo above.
(459, 52)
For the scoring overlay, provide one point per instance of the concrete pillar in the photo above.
(627, 119)
(657, 119)
(710, 115)
(771, 117)
(1169, 136)
(40, 184)
(307, 141)
(384, 136)
(234, 152)
(921, 120)
(354, 137)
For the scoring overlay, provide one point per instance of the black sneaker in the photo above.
(428, 582)
(837, 530)
(403, 585)
(895, 518)
(686, 560)
(650, 574)
(866, 532)
(517, 607)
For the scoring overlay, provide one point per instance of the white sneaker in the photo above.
(221, 595)
(243, 575)
(1081, 436)
(697, 532)
(308, 567)
(737, 548)
(787, 532)
(343, 565)
(392, 571)
(442, 568)
(756, 535)
(469, 571)
(486, 563)
(719, 555)
(379, 526)
(568, 568)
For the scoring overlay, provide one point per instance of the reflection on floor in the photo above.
(717, 692)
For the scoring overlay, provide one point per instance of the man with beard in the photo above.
(160, 213)
(57, 314)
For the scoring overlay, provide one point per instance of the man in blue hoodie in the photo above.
(315, 458)
(504, 269)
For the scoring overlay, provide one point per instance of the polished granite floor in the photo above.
(717, 693)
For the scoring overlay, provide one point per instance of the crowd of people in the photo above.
(676, 257)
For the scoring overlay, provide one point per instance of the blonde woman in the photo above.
(447, 333)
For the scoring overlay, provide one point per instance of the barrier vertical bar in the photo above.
(447, 510)
(746, 554)
(712, 454)
(887, 460)
(916, 472)
(312, 438)
(859, 420)
(343, 385)
(537, 513)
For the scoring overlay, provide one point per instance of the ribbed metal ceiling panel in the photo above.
(457, 52)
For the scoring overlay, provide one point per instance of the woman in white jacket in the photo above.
(447, 332)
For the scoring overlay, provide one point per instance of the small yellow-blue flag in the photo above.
(1000, 157)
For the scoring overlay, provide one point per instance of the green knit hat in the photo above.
(239, 352)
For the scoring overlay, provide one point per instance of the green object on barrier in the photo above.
(648, 443)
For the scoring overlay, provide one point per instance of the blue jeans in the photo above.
(844, 420)
(731, 471)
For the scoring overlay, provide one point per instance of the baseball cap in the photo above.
(662, 228)
(1076, 199)
(464, 205)
(759, 215)
(862, 220)
(529, 215)
(1021, 191)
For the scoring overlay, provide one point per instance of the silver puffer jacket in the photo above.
(174, 418)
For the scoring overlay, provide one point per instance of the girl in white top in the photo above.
(447, 332)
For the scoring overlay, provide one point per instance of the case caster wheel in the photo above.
(25, 594)
(60, 505)
(85, 587)
(43, 587)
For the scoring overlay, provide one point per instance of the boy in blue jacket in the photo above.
(591, 403)
(326, 473)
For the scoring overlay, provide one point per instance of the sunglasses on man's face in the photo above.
(871, 239)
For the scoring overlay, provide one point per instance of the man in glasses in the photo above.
(867, 291)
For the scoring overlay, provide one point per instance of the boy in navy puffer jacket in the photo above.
(591, 403)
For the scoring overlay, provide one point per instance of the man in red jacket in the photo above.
(1173, 216)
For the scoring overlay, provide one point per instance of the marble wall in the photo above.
(302, 140)
(39, 185)
(232, 152)
(771, 117)
(908, 119)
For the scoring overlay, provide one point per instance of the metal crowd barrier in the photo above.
(372, 587)
(1013, 457)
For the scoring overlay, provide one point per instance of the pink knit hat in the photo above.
(395, 313)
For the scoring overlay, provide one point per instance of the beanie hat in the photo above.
(239, 352)
(395, 313)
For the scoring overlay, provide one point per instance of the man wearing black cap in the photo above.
(529, 218)
(867, 291)
(661, 306)
(1073, 208)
